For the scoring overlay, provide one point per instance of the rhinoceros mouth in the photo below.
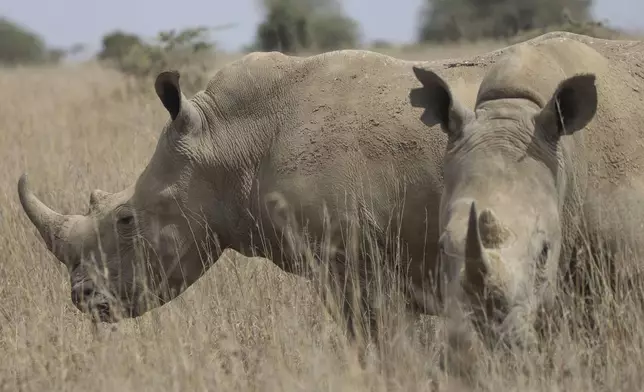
(103, 308)
(108, 313)
(104, 313)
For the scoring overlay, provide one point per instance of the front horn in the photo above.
(476, 266)
(52, 226)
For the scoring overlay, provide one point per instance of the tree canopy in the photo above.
(470, 19)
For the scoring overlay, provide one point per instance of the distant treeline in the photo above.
(292, 26)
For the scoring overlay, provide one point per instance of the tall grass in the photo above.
(245, 325)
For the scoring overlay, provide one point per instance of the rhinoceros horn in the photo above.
(476, 265)
(53, 226)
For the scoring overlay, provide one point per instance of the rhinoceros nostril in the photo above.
(81, 293)
(88, 300)
(88, 293)
(103, 310)
(545, 252)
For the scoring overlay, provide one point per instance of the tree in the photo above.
(18, 45)
(285, 28)
(189, 50)
(293, 25)
(471, 19)
(118, 44)
(334, 31)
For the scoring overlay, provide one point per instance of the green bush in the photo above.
(190, 51)
(473, 19)
(290, 26)
(333, 31)
(19, 45)
(117, 45)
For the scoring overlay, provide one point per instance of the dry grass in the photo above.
(245, 325)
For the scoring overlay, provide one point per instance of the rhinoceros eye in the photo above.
(125, 220)
(124, 216)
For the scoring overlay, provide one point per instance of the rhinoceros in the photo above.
(326, 137)
(557, 119)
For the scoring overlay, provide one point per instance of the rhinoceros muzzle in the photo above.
(57, 231)
(100, 305)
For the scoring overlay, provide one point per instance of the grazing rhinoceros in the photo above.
(328, 134)
(556, 118)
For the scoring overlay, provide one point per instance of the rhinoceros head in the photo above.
(136, 248)
(500, 213)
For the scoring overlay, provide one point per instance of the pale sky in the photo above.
(65, 22)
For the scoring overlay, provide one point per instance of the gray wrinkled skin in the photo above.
(555, 120)
(270, 133)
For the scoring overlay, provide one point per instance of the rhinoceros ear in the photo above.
(169, 91)
(437, 98)
(572, 106)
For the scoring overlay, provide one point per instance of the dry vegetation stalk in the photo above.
(245, 326)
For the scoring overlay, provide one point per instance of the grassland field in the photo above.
(244, 326)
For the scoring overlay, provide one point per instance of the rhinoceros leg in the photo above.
(334, 266)
(345, 297)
